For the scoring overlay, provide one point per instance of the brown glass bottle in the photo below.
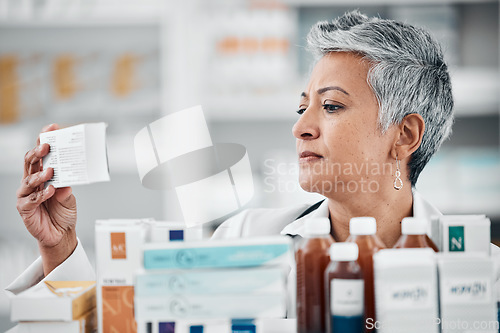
(344, 290)
(363, 232)
(312, 259)
(413, 235)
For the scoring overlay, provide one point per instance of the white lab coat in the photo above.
(249, 223)
(262, 222)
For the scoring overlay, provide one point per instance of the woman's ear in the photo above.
(411, 131)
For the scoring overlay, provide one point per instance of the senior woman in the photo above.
(377, 106)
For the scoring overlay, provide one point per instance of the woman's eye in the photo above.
(301, 111)
(331, 108)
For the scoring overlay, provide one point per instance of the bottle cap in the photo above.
(317, 226)
(345, 251)
(365, 225)
(413, 226)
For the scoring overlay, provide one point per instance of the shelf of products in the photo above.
(353, 3)
(244, 62)
(250, 62)
(243, 80)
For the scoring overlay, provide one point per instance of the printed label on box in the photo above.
(118, 245)
(220, 256)
(409, 296)
(466, 291)
(456, 239)
(77, 154)
(118, 309)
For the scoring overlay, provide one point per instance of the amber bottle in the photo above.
(363, 232)
(413, 234)
(312, 258)
(344, 284)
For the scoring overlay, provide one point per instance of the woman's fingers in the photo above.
(37, 166)
(63, 194)
(48, 128)
(29, 203)
(32, 183)
(33, 157)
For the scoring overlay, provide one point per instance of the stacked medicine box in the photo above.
(210, 282)
(162, 277)
(119, 246)
(453, 291)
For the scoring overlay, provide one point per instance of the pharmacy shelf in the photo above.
(15, 141)
(351, 3)
(463, 181)
(279, 106)
(79, 23)
(476, 92)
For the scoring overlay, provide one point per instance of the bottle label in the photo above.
(347, 297)
(466, 291)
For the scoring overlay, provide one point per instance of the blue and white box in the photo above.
(276, 250)
(184, 306)
(255, 280)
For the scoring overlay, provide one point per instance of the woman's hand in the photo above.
(49, 214)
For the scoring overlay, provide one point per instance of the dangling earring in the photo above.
(398, 183)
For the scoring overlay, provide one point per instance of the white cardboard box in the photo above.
(272, 305)
(406, 296)
(40, 303)
(467, 292)
(462, 233)
(77, 155)
(255, 280)
(118, 255)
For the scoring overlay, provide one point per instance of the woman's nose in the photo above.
(306, 127)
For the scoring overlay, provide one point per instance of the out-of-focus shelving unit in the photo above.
(79, 23)
(71, 62)
(104, 56)
(244, 62)
(464, 177)
(467, 28)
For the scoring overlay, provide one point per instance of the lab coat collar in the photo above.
(421, 209)
(297, 227)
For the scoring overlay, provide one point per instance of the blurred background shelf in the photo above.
(352, 3)
(476, 91)
(79, 23)
(128, 63)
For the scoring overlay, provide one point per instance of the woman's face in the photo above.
(341, 149)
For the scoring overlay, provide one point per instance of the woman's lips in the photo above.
(309, 156)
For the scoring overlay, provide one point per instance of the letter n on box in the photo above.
(456, 239)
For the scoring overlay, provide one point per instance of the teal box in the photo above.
(217, 254)
(256, 280)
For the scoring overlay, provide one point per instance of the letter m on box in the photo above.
(118, 245)
(456, 239)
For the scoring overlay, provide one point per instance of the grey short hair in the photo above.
(408, 74)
